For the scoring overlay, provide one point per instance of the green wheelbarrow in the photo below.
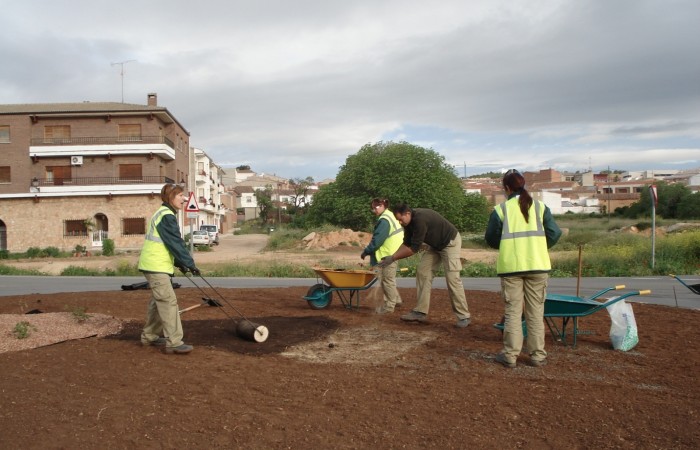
(570, 308)
(694, 288)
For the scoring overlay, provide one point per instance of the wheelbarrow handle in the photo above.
(645, 292)
(619, 286)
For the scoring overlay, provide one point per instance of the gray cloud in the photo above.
(295, 87)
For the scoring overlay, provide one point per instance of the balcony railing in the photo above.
(95, 181)
(113, 140)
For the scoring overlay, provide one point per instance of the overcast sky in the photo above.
(295, 87)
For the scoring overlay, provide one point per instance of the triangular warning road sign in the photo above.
(192, 204)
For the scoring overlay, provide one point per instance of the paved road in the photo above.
(665, 290)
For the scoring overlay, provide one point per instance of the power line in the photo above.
(121, 64)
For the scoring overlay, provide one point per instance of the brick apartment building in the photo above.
(73, 174)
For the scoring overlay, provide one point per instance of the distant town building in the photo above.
(74, 174)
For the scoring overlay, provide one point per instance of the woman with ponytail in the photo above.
(522, 229)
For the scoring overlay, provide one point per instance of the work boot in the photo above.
(501, 359)
(463, 323)
(158, 342)
(415, 316)
(179, 350)
(538, 362)
(384, 310)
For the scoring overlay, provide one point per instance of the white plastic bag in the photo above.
(623, 329)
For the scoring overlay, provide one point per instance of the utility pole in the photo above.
(121, 64)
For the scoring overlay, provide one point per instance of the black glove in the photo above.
(387, 260)
(364, 254)
(195, 271)
(183, 269)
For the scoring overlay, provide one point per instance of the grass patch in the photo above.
(7, 270)
(78, 313)
(23, 330)
(262, 270)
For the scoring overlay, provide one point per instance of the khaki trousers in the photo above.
(526, 292)
(163, 315)
(429, 264)
(387, 279)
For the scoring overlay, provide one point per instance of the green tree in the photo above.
(400, 172)
(671, 202)
(301, 189)
(264, 199)
(689, 208)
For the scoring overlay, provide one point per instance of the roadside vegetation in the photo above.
(609, 247)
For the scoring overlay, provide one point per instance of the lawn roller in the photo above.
(244, 328)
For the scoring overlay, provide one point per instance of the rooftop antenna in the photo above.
(121, 63)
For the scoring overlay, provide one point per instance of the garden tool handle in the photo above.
(645, 292)
(189, 308)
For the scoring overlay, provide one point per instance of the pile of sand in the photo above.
(333, 239)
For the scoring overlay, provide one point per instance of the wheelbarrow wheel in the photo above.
(319, 296)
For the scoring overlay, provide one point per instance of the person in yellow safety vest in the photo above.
(522, 229)
(163, 250)
(386, 239)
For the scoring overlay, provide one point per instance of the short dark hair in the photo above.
(401, 208)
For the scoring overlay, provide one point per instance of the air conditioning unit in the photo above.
(76, 160)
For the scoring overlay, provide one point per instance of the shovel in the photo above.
(205, 301)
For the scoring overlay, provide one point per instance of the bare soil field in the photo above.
(337, 378)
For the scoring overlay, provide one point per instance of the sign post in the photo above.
(192, 210)
(654, 202)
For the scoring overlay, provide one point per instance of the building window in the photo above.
(130, 132)
(130, 172)
(74, 228)
(5, 134)
(57, 134)
(133, 226)
(58, 174)
(5, 176)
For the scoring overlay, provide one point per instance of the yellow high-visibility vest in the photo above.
(395, 238)
(523, 245)
(155, 256)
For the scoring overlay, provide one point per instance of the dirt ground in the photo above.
(342, 378)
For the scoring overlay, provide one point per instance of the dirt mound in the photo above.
(330, 240)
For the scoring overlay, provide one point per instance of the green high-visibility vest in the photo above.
(395, 239)
(155, 256)
(523, 245)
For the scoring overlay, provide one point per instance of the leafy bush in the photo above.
(420, 177)
(33, 252)
(53, 252)
(23, 329)
(108, 247)
(4, 254)
(76, 271)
